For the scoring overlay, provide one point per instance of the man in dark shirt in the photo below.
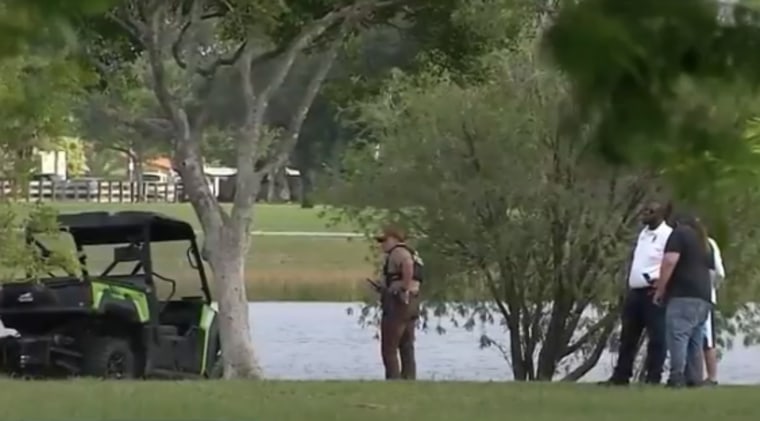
(684, 287)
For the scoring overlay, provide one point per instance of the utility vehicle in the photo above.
(112, 324)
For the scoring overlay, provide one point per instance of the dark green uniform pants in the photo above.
(397, 336)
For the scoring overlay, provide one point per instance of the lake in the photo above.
(315, 341)
(320, 341)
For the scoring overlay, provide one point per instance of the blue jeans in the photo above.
(684, 318)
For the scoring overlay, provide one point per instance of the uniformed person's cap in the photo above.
(391, 231)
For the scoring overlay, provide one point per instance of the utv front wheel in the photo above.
(109, 358)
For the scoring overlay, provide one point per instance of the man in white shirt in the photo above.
(639, 311)
(711, 355)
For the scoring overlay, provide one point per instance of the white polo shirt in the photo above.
(647, 257)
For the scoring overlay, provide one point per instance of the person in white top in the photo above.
(639, 311)
(711, 355)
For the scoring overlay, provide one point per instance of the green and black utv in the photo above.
(112, 324)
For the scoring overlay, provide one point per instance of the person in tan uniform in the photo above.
(400, 300)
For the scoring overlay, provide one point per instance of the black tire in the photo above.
(109, 358)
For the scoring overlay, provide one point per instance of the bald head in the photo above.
(653, 213)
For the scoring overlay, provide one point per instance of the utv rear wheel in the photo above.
(109, 358)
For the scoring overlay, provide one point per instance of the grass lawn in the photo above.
(291, 268)
(267, 217)
(366, 401)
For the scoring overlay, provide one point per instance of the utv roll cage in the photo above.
(137, 229)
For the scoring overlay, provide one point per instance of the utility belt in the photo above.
(398, 294)
(414, 292)
(397, 304)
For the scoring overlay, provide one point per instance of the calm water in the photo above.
(320, 341)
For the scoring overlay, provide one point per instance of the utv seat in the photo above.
(167, 330)
(182, 315)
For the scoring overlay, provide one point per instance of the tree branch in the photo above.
(592, 360)
(133, 27)
(188, 160)
(211, 70)
(197, 16)
(125, 151)
(248, 146)
(593, 330)
(290, 139)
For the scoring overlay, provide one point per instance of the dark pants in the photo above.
(639, 314)
(397, 328)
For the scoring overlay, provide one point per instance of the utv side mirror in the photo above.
(130, 253)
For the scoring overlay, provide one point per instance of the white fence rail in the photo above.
(106, 191)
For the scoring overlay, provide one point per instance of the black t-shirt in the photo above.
(691, 276)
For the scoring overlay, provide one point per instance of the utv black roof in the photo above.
(91, 228)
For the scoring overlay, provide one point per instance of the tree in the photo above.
(37, 82)
(76, 161)
(628, 63)
(529, 243)
(659, 74)
(36, 96)
(452, 35)
(123, 116)
(21, 260)
(491, 178)
(42, 22)
(244, 34)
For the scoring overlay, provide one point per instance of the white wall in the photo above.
(52, 162)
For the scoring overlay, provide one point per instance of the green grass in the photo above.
(267, 217)
(367, 401)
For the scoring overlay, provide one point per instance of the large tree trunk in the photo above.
(225, 247)
(227, 258)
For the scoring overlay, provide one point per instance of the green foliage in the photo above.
(22, 260)
(492, 181)
(455, 34)
(445, 37)
(124, 116)
(36, 98)
(497, 181)
(76, 161)
(642, 65)
(675, 83)
(37, 84)
(25, 22)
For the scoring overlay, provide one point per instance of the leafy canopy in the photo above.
(641, 65)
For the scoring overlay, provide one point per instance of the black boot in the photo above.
(675, 384)
(613, 381)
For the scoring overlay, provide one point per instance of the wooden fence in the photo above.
(99, 191)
